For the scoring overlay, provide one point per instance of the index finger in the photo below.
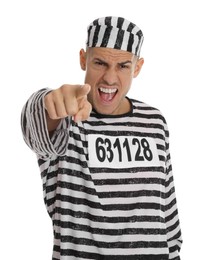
(83, 91)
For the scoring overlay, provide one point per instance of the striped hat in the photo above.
(115, 32)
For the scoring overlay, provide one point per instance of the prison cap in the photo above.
(115, 32)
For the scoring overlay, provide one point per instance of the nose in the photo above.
(110, 76)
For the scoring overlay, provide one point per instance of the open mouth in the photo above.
(107, 94)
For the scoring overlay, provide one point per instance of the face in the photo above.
(109, 72)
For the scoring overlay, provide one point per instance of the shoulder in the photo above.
(150, 116)
(148, 112)
(142, 107)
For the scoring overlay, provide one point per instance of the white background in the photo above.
(39, 47)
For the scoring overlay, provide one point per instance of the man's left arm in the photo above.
(174, 238)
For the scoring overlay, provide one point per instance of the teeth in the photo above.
(108, 90)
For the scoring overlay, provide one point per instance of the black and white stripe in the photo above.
(115, 32)
(105, 213)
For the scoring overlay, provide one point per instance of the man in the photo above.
(104, 158)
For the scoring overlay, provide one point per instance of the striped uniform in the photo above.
(108, 183)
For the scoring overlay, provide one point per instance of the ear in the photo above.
(138, 67)
(82, 56)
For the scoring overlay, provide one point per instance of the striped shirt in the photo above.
(107, 183)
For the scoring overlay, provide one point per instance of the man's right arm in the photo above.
(47, 110)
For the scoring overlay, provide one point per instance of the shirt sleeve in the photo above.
(174, 237)
(34, 128)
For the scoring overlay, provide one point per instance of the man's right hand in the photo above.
(68, 100)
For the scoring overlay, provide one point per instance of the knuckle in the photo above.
(66, 89)
(62, 115)
(72, 111)
(63, 88)
(47, 98)
(71, 106)
(52, 116)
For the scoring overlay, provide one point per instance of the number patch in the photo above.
(122, 151)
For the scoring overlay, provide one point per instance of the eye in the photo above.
(99, 63)
(123, 66)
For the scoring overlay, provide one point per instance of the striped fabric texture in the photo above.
(107, 183)
(116, 33)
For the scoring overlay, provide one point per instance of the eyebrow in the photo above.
(120, 63)
(125, 62)
(97, 59)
